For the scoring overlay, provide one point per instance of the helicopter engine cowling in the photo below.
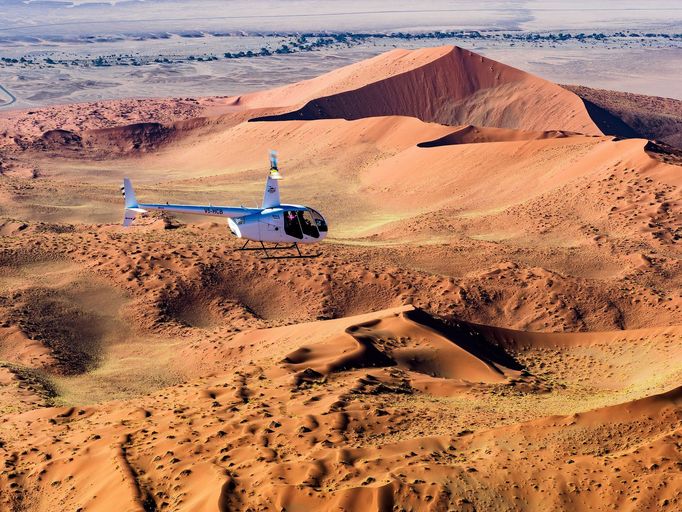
(245, 227)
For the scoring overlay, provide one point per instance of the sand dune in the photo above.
(279, 433)
(495, 322)
(447, 85)
(383, 343)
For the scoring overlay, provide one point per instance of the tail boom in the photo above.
(133, 208)
(196, 209)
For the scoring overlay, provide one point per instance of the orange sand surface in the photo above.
(495, 322)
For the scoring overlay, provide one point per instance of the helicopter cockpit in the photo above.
(304, 222)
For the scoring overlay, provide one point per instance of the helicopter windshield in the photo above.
(319, 220)
(307, 224)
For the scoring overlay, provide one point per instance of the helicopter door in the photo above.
(292, 227)
(308, 224)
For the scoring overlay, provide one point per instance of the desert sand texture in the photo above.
(495, 322)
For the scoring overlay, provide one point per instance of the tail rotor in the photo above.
(131, 206)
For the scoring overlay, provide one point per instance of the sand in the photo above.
(495, 322)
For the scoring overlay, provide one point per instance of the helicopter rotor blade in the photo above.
(273, 159)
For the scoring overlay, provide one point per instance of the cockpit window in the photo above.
(308, 224)
(291, 224)
(319, 220)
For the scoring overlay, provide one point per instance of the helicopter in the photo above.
(284, 225)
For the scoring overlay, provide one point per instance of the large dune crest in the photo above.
(447, 85)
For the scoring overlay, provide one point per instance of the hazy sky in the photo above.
(47, 17)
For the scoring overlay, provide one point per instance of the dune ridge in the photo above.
(455, 86)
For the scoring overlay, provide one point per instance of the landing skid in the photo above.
(277, 247)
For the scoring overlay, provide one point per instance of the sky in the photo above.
(60, 17)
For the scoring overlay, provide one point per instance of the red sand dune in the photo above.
(447, 85)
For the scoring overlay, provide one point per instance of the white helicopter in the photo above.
(288, 224)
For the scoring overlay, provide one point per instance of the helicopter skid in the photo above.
(277, 247)
(293, 256)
